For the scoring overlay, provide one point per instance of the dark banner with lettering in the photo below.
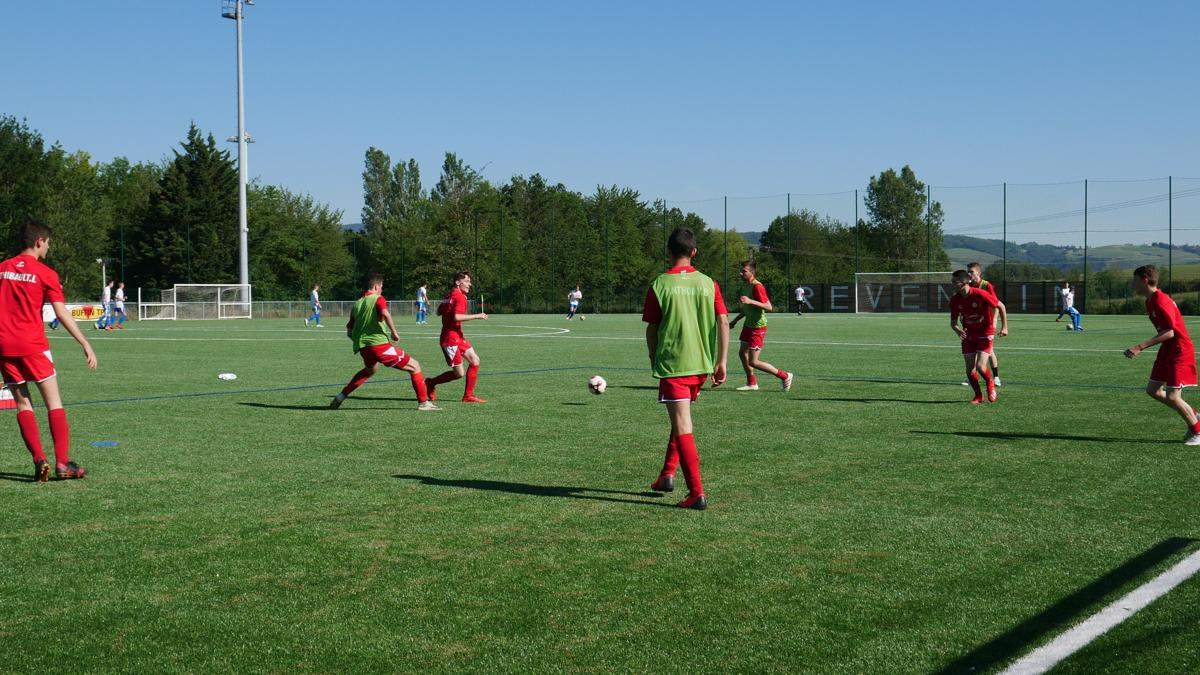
(1020, 297)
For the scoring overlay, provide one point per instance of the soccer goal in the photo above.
(197, 301)
(902, 292)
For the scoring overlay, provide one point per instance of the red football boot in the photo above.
(663, 484)
(697, 502)
(473, 399)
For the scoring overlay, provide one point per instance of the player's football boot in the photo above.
(306, 323)
(70, 471)
(336, 402)
(1192, 439)
(663, 484)
(473, 399)
(698, 502)
(991, 394)
(41, 471)
(977, 400)
(427, 405)
(748, 387)
(787, 381)
(996, 380)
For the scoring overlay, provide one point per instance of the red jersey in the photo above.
(455, 302)
(1164, 314)
(25, 285)
(652, 312)
(977, 309)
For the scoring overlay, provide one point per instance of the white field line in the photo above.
(891, 345)
(335, 336)
(1047, 656)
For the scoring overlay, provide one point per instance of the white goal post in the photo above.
(902, 292)
(197, 301)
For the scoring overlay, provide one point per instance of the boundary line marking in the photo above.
(1047, 656)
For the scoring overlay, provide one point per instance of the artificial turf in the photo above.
(869, 520)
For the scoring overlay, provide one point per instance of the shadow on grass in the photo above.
(1024, 436)
(412, 399)
(16, 477)
(595, 494)
(274, 406)
(880, 400)
(1033, 630)
(573, 403)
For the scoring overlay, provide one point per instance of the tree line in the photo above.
(526, 241)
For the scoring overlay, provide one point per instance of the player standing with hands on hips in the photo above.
(1175, 366)
(25, 285)
(687, 337)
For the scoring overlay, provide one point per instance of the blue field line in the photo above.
(301, 387)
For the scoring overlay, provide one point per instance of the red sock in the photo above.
(751, 379)
(448, 376)
(418, 384)
(472, 375)
(987, 379)
(357, 381)
(973, 378)
(781, 374)
(689, 458)
(27, 421)
(62, 436)
(671, 462)
(1196, 427)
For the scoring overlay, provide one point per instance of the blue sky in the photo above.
(679, 100)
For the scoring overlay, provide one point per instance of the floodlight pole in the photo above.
(238, 14)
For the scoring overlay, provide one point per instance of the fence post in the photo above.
(928, 229)
(500, 265)
(857, 234)
(725, 283)
(788, 234)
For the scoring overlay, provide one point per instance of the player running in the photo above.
(573, 299)
(754, 333)
(422, 305)
(118, 312)
(455, 346)
(687, 336)
(977, 280)
(802, 300)
(372, 332)
(1068, 308)
(315, 299)
(1175, 366)
(976, 307)
(25, 285)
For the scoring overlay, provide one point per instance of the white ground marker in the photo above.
(1047, 656)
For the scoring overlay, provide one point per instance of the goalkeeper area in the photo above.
(869, 520)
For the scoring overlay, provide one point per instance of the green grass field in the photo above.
(870, 520)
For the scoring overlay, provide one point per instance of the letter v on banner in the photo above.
(874, 298)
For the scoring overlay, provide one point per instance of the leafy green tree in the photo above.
(76, 208)
(901, 232)
(128, 188)
(24, 178)
(296, 242)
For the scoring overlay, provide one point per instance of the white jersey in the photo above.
(1068, 299)
(422, 295)
(106, 295)
(801, 293)
(574, 297)
(315, 299)
(120, 297)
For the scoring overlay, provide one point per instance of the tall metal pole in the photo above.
(726, 242)
(928, 229)
(1004, 244)
(788, 230)
(243, 230)
(857, 258)
(1086, 288)
(1170, 230)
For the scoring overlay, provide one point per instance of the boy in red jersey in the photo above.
(455, 346)
(687, 335)
(977, 309)
(754, 333)
(372, 331)
(25, 285)
(1175, 366)
(977, 280)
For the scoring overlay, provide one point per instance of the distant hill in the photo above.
(353, 227)
(752, 238)
(962, 250)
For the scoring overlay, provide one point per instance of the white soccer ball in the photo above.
(597, 385)
(582, 317)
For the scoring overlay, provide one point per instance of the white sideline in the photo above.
(1047, 656)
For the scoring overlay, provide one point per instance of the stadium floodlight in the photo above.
(235, 10)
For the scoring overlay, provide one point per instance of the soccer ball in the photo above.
(582, 317)
(597, 385)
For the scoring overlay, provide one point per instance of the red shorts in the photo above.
(1174, 371)
(685, 388)
(387, 355)
(753, 337)
(453, 348)
(974, 344)
(32, 368)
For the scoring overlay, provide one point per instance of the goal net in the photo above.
(902, 292)
(198, 301)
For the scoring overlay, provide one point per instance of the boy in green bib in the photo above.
(371, 331)
(687, 336)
